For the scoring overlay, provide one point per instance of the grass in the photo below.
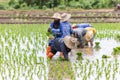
(22, 47)
(96, 70)
(106, 30)
(79, 56)
(106, 56)
(116, 50)
(97, 46)
(117, 37)
(60, 70)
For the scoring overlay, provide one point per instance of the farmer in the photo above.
(66, 26)
(82, 25)
(93, 30)
(63, 45)
(55, 29)
(84, 35)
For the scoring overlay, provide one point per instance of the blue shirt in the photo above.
(80, 33)
(83, 25)
(66, 29)
(59, 45)
(56, 32)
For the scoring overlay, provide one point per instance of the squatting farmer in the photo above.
(63, 45)
(84, 35)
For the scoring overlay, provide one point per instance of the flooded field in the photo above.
(23, 57)
(106, 47)
(94, 66)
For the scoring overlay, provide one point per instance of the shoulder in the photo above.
(65, 22)
(69, 23)
(51, 24)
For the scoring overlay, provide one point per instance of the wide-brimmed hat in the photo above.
(89, 35)
(91, 29)
(70, 42)
(65, 16)
(56, 16)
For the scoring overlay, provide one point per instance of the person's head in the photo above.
(91, 29)
(89, 35)
(56, 16)
(70, 42)
(65, 16)
(74, 26)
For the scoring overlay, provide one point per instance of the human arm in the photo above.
(64, 51)
(71, 30)
(49, 29)
(79, 34)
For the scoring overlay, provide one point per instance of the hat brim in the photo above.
(89, 35)
(69, 43)
(67, 17)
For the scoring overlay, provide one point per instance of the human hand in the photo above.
(91, 44)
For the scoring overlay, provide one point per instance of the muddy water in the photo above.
(106, 47)
(95, 56)
(92, 54)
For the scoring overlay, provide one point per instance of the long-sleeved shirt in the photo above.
(56, 32)
(59, 45)
(80, 33)
(66, 29)
(83, 25)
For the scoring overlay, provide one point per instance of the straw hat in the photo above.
(89, 35)
(65, 16)
(70, 42)
(91, 29)
(56, 16)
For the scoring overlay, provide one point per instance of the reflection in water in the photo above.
(93, 67)
(106, 45)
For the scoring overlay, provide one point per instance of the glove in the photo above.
(51, 37)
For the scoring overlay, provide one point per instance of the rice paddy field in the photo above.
(22, 55)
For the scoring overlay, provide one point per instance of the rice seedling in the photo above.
(16, 56)
(22, 55)
(79, 56)
(117, 37)
(106, 56)
(116, 51)
(97, 45)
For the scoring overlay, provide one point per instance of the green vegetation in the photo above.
(116, 51)
(97, 69)
(61, 4)
(97, 46)
(107, 30)
(60, 70)
(117, 37)
(105, 56)
(79, 56)
(22, 52)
